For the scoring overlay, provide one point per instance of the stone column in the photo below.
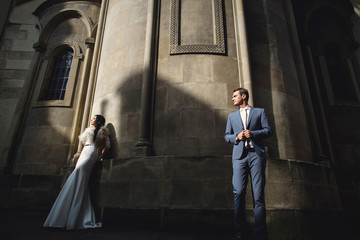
(304, 86)
(4, 14)
(22, 107)
(94, 67)
(353, 78)
(320, 102)
(275, 80)
(78, 113)
(143, 146)
(242, 49)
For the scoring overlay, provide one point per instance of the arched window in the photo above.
(58, 73)
(339, 74)
(57, 83)
(331, 41)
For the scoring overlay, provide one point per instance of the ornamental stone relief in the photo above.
(197, 27)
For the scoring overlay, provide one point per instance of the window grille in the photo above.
(60, 75)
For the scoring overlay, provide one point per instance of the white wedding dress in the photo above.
(72, 208)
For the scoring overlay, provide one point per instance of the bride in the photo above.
(72, 208)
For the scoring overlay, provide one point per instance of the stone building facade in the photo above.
(162, 73)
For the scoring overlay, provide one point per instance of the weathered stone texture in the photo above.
(44, 146)
(192, 89)
(118, 92)
(275, 84)
(205, 183)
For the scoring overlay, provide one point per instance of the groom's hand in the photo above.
(240, 136)
(247, 133)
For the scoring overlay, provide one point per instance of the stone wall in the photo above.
(16, 54)
(193, 91)
(4, 12)
(118, 89)
(191, 170)
(46, 127)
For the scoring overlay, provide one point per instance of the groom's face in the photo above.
(237, 99)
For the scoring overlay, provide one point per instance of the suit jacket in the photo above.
(258, 124)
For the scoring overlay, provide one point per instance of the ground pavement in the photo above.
(26, 224)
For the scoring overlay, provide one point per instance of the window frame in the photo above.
(332, 100)
(45, 73)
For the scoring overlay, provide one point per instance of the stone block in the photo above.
(225, 70)
(62, 117)
(170, 70)
(135, 54)
(138, 14)
(215, 147)
(182, 147)
(292, 84)
(37, 168)
(10, 93)
(159, 146)
(131, 131)
(260, 75)
(132, 97)
(205, 39)
(164, 47)
(137, 169)
(41, 182)
(217, 194)
(182, 96)
(213, 96)
(230, 28)
(34, 159)
(18, 35)
(6, 45)
(279, 170)
(188, 25)
(11, 83)
(198, 124)
(308, 173)
(44, 135)
(292, 125)
(231, 48)
(2, 63)
(205, 24)
(203, 168)
(280, 224)
(145, 194)
(186, 194)
(198, 69)
(230, 105)
(297, 195)
(167, 124)
(13, 74)
(161, 98)
(27, 44)
(114, 194)
(9, 181)
(220, 123)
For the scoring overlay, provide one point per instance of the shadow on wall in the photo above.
(189, 118)
(268, 67)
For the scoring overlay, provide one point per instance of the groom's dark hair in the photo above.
(243, 91)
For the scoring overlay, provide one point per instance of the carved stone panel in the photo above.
(197, 27)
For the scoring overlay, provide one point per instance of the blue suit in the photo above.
(247, 162)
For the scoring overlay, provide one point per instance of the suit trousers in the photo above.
(250, 163)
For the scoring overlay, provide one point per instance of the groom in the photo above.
(245, 129)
